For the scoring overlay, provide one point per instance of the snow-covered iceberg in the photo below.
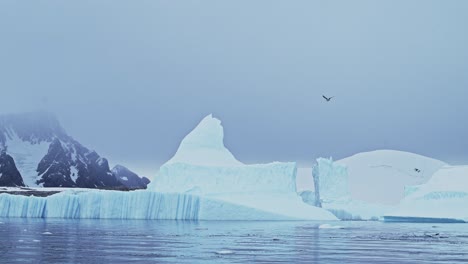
(444, 198)
(368, 185)
(203, 166)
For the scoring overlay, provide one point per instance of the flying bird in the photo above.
(327, 98)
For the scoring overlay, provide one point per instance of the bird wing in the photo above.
(325, 97)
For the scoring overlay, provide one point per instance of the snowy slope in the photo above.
(445, 195)
(381, 176)
(26, 155)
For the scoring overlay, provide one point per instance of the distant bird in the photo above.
(417, 170)
(327, 98)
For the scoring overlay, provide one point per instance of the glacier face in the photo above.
(444, 196)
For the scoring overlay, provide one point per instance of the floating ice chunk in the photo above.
(225, 252)
(47, 233)
(328, 226)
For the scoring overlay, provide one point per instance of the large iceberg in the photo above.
(203, 181)
(444, 198)
(203, 166)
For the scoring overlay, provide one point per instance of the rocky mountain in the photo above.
(129, 178)
(9, 174)
(46, 156)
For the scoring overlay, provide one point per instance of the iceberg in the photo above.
(442, 199)
(203, 166)
(368, 185)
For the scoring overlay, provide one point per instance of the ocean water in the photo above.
(142, 241)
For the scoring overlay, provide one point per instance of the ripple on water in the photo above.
(105, 241)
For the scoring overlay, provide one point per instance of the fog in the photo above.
(131, 78)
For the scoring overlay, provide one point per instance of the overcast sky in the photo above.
(131, 78)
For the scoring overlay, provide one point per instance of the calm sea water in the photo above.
(124, 241)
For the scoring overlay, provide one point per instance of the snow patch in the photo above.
(27, 156)
(73, 173)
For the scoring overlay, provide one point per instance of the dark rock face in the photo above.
(67, 163)
(9, 174)
(54, 168)
(128, 178)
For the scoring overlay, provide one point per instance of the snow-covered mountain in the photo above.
(47, 157)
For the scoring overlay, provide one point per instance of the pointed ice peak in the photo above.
(205, 146)
(207, 134)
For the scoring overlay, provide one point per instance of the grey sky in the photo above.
(131, 78)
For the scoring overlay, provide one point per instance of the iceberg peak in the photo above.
(204, 145)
